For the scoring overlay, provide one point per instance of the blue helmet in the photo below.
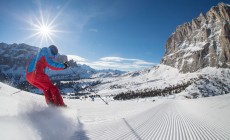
(53, 49)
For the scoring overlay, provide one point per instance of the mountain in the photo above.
(163, 80)
(196, 62)
(203, 42)
(15, 57)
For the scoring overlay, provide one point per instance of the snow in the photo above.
(190, 60)
(194, 48)
(159, 77)
(25, 116)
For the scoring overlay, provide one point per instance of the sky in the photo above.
(117, 34)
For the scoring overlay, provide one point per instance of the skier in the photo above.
(35, 74)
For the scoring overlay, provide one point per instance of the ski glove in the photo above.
(66, 65)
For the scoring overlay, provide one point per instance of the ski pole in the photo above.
(16, 92)
(90, 88)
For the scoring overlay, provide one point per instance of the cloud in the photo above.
(116, 59)
(77, 58)
(93, 30)
(117, 63)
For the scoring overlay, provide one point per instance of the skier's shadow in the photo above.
(80, 133)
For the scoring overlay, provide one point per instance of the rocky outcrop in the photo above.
(205, 41)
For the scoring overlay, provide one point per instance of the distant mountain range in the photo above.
(15, 57)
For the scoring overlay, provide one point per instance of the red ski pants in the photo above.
(51, 92)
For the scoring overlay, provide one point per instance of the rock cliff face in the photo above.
(201, 43)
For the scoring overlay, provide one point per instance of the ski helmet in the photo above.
(53, 49)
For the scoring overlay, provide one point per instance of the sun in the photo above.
(45, 25)
(45, 30)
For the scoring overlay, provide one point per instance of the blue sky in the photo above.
(117, 34)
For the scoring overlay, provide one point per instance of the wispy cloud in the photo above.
(118, 63)
(93, 30)
(77, 58)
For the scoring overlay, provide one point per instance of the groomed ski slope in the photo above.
(25, 116)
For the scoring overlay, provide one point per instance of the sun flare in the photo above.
(45, 30)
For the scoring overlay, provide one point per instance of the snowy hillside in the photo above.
(165, 80)
(25, 116)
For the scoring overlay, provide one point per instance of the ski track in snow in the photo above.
(171, 120)
(29, 118)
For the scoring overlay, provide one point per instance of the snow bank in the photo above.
(25, 116)
(35, 125)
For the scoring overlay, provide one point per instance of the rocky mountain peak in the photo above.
(203, 42)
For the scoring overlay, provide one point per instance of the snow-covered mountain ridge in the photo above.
(15, 57)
